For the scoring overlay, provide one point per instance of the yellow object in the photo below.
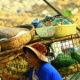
(45, 32)
(16, 68)
(36, 38)
(18, 65)
(64, 30)
(76, 21)
(0, 48)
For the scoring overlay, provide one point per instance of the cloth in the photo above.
(34, 76)
(46, 72)
(60, 20)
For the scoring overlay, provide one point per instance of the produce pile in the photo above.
(16, 68)
(13, 65)
(67, 64)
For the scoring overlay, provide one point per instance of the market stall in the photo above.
(60, 36)
(63, 50)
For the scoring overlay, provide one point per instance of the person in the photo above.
(40, 68)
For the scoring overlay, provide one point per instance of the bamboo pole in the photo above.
(10, 58)
(10, 51)
(57, 10)
(3, 57)
(43, 42)
(61, 39)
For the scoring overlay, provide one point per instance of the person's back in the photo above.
(46, 72)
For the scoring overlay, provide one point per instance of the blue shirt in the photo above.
(46, 72)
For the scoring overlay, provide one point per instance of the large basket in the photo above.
(16, 68)
(46, 32)
(13, 65)
(64, 30)
(60, 29)
(20, 40)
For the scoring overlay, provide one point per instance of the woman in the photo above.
(40, 69)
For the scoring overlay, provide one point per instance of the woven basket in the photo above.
(11, 32)
(20, 40)
(14, 69)
(18, 65)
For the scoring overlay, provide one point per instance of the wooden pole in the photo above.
(44, 42)
(58, 11)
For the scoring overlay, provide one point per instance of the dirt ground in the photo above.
(35, 10)
(61, 6)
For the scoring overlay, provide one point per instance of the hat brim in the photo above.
(40, 56)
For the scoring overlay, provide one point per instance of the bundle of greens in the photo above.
(63, 61)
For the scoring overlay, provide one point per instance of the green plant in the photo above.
(67, 12)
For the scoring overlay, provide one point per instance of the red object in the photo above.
(8, 77)
(39, 49)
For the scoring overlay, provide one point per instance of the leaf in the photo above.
(67, 13)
